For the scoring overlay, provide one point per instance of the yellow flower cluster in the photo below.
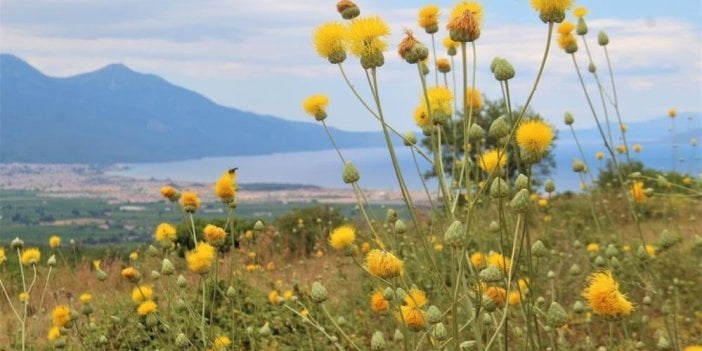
(165, 233)
(604, 297)
(30, 256)
(225, 187)
(638, 193)
(383, 264)
(378, 303)
(214, 234)
(189, 201)
(428, 16)
(490, 160)
(54, 241)
(411, 312)
(142, 293)
(534, 136)
(200, 259)
(342, 237)
(365, 35)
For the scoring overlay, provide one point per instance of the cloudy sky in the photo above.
(257, 55)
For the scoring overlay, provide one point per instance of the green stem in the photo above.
(338, 328)
(421, 177)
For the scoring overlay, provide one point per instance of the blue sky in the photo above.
(258, 56)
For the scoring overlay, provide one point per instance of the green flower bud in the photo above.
(600, 262)
(550, 274)
(425, 71)
(391, 216)
(491, 274)
(167, 267)
(388, 294)
(350, 12)
(16, 243)
(180, 305)
(522, 182)
(591, 68)
(182, 341)
(488, 303)
(341, 321)
(351, 174)
(556, 316)
(101, 275)
(231, 292)
(552, 15)
(611, 251)
(615, 264)
(663, 343)
(499, 128)
(155, 275)
(409, 139)
(641, 253)
(153, 251)
(400, 293)
(538, 249)
(574, 269)
(417, 53)
(647, 300)
(151, 320)
(503, 70)
(102, 340)
(372, 59)
(648, 192)
(549, 186)
(451, 51)
(51, 262)
(454, 234)
(86, 309)
(377, 341)
(667, 240)
(476, 132)
(494, 62)
(568, 118)
(579, 307)
(265, 330)
(468, 345)
(488, 320)
(521, 202)
(581, 27)
(181, 282)
(602, 38)
(439, 332)
(433, 315)
(494, 227)
(319, 292)
(400, 227)
(572, 48)
(578, 166)
(499, 188)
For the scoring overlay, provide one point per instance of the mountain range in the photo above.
(115, 114)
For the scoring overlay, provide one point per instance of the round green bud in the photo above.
(522, 182)
(181, 282)
(615, 264)
(155, 275)
(468, 345)
(521, 201)
(494, 227)
(503, 70)
(647, 300)
(663, 343)
(572, 48)
(578, 166)
(319, 292)
(265, 330)
(499, 128)
(167, 267)
(476, 132)
(258, 226)
(350, 174)
(86, 309)
(231, 292)
(454, 235)
(568, 118)
(549, 186)
(600, 262)
(373, 59)
(552, 15)
(417, 53)
(400, 227)
(391, 215)
(377, 341)
(611, 251)
(591, 68)
(451, 51)
(581, 27)
(153, 251)
(16, 243)
(51, 262)
(499, 188)
(182, 341)
(398, 336)
(556, 316)
(337, 57)
(488, 303)
(388, 294)
(350, 12)
(668, 240)
(491, 274)
(575, 269)
(439, 332)
(101, 275)
(409, 139)
(433, 314)
(579, 307)
(538, 249)
(602, 38)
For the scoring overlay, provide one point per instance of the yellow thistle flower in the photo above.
(443, 65)
(3, 258)
(96, 264)
(414, 318)
(638, 193)
(637, 148)
(473, 98)
(551, 10)
(415, 298)
(169, 192)
(316, 104)
(365, 247)
(565, 27)
(54, 241)
(130, 273)
(421, 117)
(165, 233)
(85, 298)
(438, 247)
(288, 295)
(566, 40)
(478, 259)
(383, 264)
(273, 297)
(693, 348)
(252, 268)
(146, 307)
(134, 256)
(142, 293)
(672, 113)
(626, 248)
(489, 160)
(428, 16)
(329, 41)
(214, 234)
(623, 128)
(221, 343)
(580, 11)
(61, 315)
(514, 298)
(30, 256)
(621, 149)
(189, 201)
(600, 155)
(593, 247)
(378, 303)
(650, 250)
(534, 136)
(225, 187)
(248, 234)
(449, 44)
(499, 295)
(542, 203)
(440, 103)
(200, 259)
(54, 333)
(342, 237)
(523, 285)
(498, 260)
(604, 297)
(366, 35)
(23, 297)
(471, 6)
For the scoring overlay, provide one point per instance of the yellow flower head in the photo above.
(225, 188)
(142, 293)
(693, 348)
(85, 298)
(169, 193)
(421, 117)
(551, 10)
(221, 342)
(414, 318)
(378, 303)
(365, 247)
(449, 44)
(146, 307)
(473, 98)
(621, 149)
(566, 40)
(200, 259)
(471, 6)
(565, 27)
(478, 259)
(637, 147)
(498, 260)
(499, 295)
(329, 40)
(489, 160)
(534, 136)
(30, 256)
(316, 105)
(429, 16)
(514, 298)
(593, 247)
(273, 297)
(542, 203)
(130, 273)
(3, 258)
(342, 237)
(580, 11)
(54, 333)
(288, 295)
(637, 192)
(650, 250)
(54, 241)
(190, 201)
(600, 155)
(440, 103)
(23, 297)
(623, 127)
(366, 35)
(214, 234)
(415, 298)
(61, 315)
(672, 113)
(443, 65)
(604, 297)
(383, 264)
(165, 233)
(134, 256)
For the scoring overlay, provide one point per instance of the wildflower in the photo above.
(383, 264)
(54, 241)
(3, 258)
(478, 259)
(23, 297)
(347, 9)
(592, 247)
(474, 99)
(490, 160)
(637, 148)
(501, 262)
(30, 256)
(288, 295)
(85, 298)
(604, 297)
(443, 65)
(221, 342)
(464, 21)
(600, 155)
(421, 117)
(414, 318)
(170, 193)
(200, 259)
(450, 46)
(366, 38)
(650, 250)
(225, 187)
(342, 237)
(551, 10)
(621, 149)
(61, 315)
(534, 137)
(514, 298)
(638, 192)
(190, 201)
(146, 307)
(131, 274)
(543, 203)
(96, 264)
(566, 39)
(165, 233)
(133, 256)
(693, 348)
(319, 293)
(316, 105)
(214, 234)
(440, 104)
(54, 333)
(273, 297)
(142, 293)
(329, 41)
(365, 247)
(496, 294)
(378, 303)
(350, 174)
(580, 11)
(415, 298)
(672, 113)
(429, 18)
